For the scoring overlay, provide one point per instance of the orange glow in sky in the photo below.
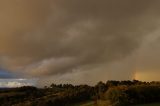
(147, 76)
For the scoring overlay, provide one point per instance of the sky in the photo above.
(78, 41)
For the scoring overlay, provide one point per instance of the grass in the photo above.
(153, 104)
(104, 103)
(92, 103)
(89, 103)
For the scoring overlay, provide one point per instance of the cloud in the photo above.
(48, 39)
(5, 74)
(10, 83)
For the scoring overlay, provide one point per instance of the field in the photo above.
(154, 104)
(89, 103)
(103, 103)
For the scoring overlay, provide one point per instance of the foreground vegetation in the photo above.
(152, 104)
(111, 93)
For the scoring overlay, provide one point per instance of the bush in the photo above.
(117, 96)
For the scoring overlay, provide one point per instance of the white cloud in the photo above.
(10, 83)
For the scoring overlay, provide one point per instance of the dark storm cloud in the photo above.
(46, 38)
(5, 74)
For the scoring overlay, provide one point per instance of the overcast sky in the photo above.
(79, 41)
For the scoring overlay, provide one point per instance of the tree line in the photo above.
(116, 93)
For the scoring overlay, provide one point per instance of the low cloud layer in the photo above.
(70, 41)
(11, 83)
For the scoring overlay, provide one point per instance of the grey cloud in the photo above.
(47, 38)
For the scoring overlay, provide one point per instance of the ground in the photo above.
(153, 104)
(103, 103)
